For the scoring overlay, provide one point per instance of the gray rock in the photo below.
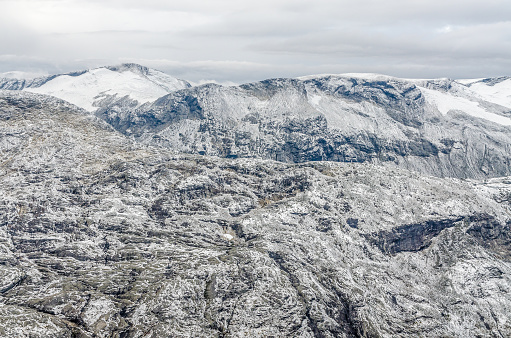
(329, 118)
(105, 237)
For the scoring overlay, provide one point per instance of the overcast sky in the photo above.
(241, 41)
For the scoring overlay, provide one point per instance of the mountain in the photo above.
(102, 236)
(128, 84)
(437, 127)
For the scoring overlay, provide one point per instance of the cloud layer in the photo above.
(237, 41)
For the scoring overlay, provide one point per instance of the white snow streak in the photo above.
(499, 93)
(445, 103)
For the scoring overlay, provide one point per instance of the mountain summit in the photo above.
(92, 88)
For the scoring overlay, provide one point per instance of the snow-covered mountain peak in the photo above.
(131, 67)
(21, 75)
(90, 89)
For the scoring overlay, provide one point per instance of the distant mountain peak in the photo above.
(94, 88)
(133, 67)
(492, 81)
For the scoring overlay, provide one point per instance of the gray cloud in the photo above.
(229, 40)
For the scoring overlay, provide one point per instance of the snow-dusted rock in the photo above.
(101, 237)
(437, 127)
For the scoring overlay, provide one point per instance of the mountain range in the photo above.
(134, 204)
(441, 127)
(437, 127)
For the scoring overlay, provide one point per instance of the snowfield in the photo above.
(447, 102)
(88, 89)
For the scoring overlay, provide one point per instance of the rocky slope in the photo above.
(103, 237)
(437, 127)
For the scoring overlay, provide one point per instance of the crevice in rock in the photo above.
(492, 234)
(349, 326)
(410, 237)
(11, 286)
(418, 236)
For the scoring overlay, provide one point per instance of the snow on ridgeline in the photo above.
(93, 88)
(22, 75)
(466, 95)
(86, 89)
(476, 97)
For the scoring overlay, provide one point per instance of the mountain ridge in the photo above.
(439, 127)
(425, 125)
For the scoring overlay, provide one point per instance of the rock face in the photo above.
(436, 127)
(104, 237)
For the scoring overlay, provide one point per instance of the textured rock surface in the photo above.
(104, 237)
(436, 127)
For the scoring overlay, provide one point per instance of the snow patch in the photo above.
(97, 309)
(366, 76)
(468, 81)
(314, 99)
(227, 236)
(446, 102)
(500, 93)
